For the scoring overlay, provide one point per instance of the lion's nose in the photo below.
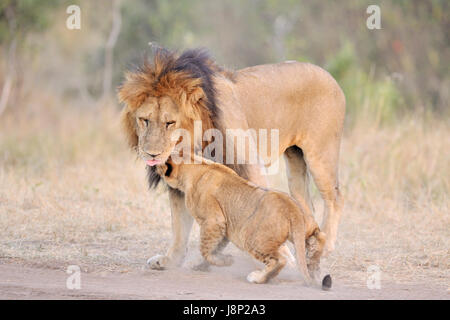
(153, 155)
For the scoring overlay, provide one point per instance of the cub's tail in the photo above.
(298, 237)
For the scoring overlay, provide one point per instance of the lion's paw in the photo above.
(158, 262)
(256, 276)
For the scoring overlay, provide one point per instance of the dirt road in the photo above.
(21, 282)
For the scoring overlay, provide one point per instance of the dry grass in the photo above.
(396, 187)
(71, 192)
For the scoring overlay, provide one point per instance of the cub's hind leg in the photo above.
(273, 260)
(212, 241)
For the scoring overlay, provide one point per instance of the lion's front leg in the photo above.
(181, 228)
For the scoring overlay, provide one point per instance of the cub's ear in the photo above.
(161, 169)
(129, 127)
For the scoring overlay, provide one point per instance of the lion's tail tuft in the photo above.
(326, 282)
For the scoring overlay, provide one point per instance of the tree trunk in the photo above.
(9, 79)
(109, 48)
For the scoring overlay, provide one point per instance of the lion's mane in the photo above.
(187, 78)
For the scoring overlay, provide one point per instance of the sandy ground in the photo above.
(27, 282)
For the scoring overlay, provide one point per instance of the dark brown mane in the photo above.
(197, 64)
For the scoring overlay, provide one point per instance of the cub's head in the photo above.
(169, 171)
(168, 94)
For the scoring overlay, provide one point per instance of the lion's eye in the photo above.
(169, 123)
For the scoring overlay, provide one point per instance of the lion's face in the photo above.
(155, 123)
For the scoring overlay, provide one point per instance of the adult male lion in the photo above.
(301, 100)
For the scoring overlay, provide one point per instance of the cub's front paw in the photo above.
(158, 262)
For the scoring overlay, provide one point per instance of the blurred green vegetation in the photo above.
(18, 18)
(376, 97)
(384, 73)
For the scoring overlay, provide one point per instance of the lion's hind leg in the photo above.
(298, 178)
(323, 164)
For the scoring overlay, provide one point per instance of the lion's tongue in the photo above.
(152, 163)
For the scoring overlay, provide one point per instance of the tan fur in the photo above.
(301, 100)
(256, 220)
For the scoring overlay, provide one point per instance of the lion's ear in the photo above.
(196, 95)
(129, 127)
(190, 101)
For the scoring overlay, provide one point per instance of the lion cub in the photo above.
(259, 221)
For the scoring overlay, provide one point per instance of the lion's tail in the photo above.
(298, 237)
